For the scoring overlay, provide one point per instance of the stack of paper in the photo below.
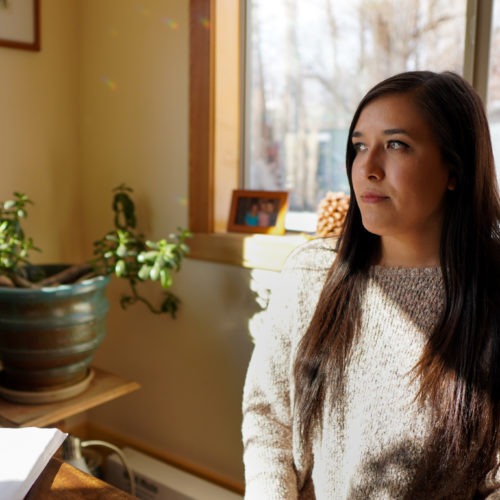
(24, 453)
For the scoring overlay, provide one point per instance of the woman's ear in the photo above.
(452, 183)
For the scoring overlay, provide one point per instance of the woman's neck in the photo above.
(395, 252)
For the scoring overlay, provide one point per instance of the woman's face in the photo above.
(398, 174)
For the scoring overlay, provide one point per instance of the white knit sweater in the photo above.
(375, 444)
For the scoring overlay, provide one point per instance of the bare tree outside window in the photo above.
(310, 62)
(493, 101)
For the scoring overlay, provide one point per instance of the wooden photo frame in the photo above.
(20, 24)
(258, 211)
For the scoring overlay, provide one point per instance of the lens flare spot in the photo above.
(171, 23)
(205, 22)
(183, 201)
(110, 84)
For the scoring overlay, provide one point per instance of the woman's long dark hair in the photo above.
(459, 370)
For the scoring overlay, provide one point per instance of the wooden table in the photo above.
(103, 387)
(62, 481)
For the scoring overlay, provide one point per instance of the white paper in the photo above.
(24, 453)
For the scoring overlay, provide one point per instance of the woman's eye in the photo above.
(397, 145)
(359, 146)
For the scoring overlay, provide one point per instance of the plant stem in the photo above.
(68, 275)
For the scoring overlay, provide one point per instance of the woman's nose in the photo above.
(373, 168)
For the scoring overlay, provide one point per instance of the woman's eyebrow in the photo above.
(392, 131)
(389, 131)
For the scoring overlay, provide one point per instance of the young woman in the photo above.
(376, 372)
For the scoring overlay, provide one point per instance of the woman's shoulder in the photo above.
(315, 254)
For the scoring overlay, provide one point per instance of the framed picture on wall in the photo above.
(20, 24)
(258, 211)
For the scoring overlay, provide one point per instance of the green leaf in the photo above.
(154, 274)
(121, 251)
(120, 268)
(143, 272)
(165, 278)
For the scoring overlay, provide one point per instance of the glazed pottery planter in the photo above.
(48, 337)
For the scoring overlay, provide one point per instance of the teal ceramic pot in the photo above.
(48, 336)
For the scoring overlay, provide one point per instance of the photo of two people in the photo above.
(258, 211)
(262, 212)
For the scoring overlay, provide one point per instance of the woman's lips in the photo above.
(373, 197)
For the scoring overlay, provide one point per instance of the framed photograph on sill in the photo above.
(20, 24)
(258, 211)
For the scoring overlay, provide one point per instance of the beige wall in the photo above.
(105, 102)
(39, 131)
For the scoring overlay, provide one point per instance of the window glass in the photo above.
(493, 99)
(309, 63)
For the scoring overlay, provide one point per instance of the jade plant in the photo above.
(122, 252)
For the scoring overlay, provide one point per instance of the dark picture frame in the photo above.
(20, 24)
(261, 212)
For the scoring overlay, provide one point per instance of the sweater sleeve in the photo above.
(267, 421)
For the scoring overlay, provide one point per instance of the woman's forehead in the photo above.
(391, 113)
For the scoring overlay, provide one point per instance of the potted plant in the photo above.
(52, 317)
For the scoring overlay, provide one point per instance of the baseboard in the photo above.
(90, 430)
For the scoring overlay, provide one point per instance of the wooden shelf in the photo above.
(104, 387)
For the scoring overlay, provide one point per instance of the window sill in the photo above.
(255, 251)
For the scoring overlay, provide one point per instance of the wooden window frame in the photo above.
(214, 128)
(214, 142)
(201, 103)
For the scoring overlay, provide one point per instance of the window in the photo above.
(493, 100)
(310, 63)
(215, 139)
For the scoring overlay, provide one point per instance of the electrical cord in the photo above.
(121, 455)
